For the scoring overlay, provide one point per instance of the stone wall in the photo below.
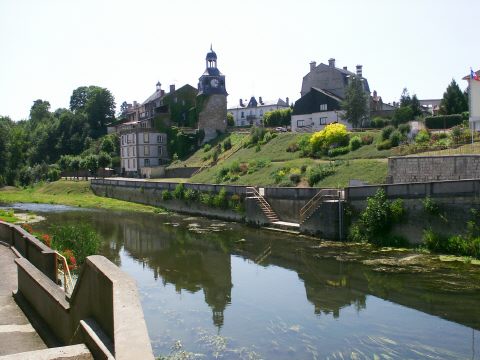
(433, 168)
(213, 116)
(180, 172)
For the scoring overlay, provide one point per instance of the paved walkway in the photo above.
(16, 332)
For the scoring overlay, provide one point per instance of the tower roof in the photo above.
(211, 55)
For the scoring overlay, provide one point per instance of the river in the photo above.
(213, 289)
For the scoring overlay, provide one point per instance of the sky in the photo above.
(49, 48)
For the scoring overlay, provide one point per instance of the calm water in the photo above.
(211, 289)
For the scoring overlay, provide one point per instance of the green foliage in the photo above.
(377, 219)
(387, 131)
(104, 160)
(384, 145)
(207, 199)
(453, 101)
(293, 147)
(230, 120)
(379, 122)
(207, 147)
(333, 135)
(220, 200)
(443, 121)
(395, 138)
(404, 128)
(166, 195)
(280, 117)
(355, 143)
(319, 172)
(79, 238)
(191, 195)
(367, 139)
(336, 151)
(355, 103)
(422, 137)
(402, 115)
(430, 206)
(227, 144)
(179, 191)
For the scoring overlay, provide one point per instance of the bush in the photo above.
(80, 239)
(333, 134)
(207, 147)
(404, 128)
(379, 122)
(191, 195)
(54, 173)
(338, 151)
(295, 178)
(318, 173)
(395, 138)
(227, 144)
(422, 137)
(443, 121)
(355, 143)
(207, 199)
(179, 192)
(402, 115)
(430, 206)
(367, 139)
(384, 145)
(220, 200)
(166, 195)
(292, 147)
(387, 131)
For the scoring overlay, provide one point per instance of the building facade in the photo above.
(474, 99)
(251, 113)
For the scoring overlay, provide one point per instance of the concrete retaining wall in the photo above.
(104, 310)
(181, 172)
(433, 168)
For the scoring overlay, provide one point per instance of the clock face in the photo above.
(214, 83)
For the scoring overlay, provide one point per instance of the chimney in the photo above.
(287, 100)
(313, 64)
(345, 68)
(241, 103)
(331, 62)
(172, 88)
(162, 93)
(260, 100)
(359, 70)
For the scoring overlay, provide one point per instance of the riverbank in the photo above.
(72, 193)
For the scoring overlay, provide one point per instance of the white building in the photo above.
(141, 148)
(252, 113)
(474, 100)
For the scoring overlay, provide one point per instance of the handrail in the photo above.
(261, 200)
(67, 277)
(312, 204)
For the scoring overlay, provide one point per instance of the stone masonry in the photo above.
(433, 168)
(213, 116)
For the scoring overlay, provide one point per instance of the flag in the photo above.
(474, 75)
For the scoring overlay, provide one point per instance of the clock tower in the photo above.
(212, 99)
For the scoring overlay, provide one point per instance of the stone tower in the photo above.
(212, 99)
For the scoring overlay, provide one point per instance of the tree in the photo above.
(92, 164)
(402, 115)
(415, 106)
(355, 103)
(453, 101)
(280, 117)
(405, 99)
(230, 120)
(104, 160)
(39, 110)
(108, 145)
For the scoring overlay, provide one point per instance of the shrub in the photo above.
(207, 199)
(81, 239)
(332, 134)
(190, 195)
(387, 131)
(53, 173)
(355, 143)
(443, 121)
(292, 147)
(227, 144)
(179, 192)
(338, 151)
(367, 139)
(303, 168)
(207, 147)
(318, 173)
(404, 128)
(295, 178)
(422, 137)
(430, 206)
(166, 195)
(379, 122)
(220, 200)
(384, 145)
(395, 138)
(402, 115)
(257, 148)
(267, 137)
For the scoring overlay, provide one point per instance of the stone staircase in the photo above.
(267, 210)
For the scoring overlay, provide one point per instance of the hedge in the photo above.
(443, 121)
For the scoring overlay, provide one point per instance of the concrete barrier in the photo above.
(103, 312)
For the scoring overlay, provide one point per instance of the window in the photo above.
(323, 121)
(300, 123)
(133, 152)
(159, 139)
(128, 151)
(134, 163)
(145, 137)
(243, 115)
(323, 107)
(160, 151)
(147, 162)
(146, 150)
(129, 163)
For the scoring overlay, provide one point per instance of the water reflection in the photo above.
(252, 281)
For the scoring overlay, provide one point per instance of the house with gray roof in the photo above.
(251, 112)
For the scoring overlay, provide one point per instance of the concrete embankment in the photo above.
(103, 312)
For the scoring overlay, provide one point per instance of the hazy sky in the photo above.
(50, 47)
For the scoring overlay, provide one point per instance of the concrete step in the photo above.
(286, 225)
(73, 352)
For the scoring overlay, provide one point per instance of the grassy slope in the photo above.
(74, 193)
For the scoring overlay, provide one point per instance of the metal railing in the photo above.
(313, 203)
(264, 205)
(63, 271)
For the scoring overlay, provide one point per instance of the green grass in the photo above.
(8, 216)
(73, 193)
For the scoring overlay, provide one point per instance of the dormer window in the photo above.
(323, 107)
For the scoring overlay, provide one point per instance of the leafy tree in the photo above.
(123, 107)
(280, 117)
(230, 119)
(75, 165)
(415, 106)
(39, 110)
(92, 164)
(355, 103)
(405, 99)
(402, 115)
(108, 145)
(104, 160)
(453, 101)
